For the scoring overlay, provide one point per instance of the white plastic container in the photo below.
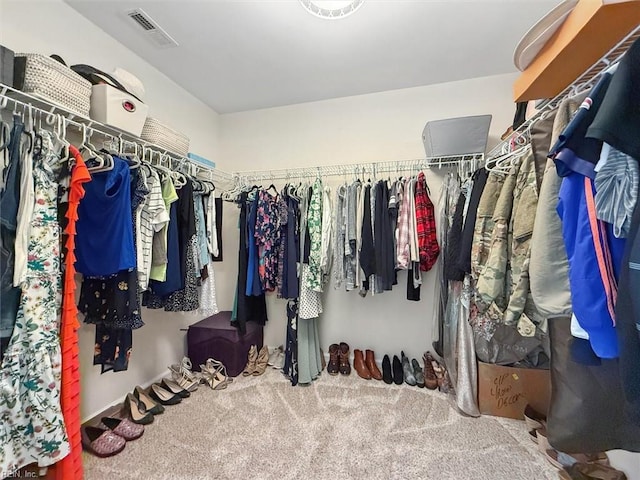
(118, 109)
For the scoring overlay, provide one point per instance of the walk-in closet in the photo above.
(314, 239)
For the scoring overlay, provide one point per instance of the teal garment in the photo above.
(309, 357)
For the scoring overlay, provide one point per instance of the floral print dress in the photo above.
(31, 424)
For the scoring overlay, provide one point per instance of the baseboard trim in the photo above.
(115, 407)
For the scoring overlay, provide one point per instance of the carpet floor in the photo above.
(342, 427)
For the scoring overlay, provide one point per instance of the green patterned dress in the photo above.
(31, 424)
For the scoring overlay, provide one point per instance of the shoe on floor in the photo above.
(359, 365)
(370, 362)
(333, 367)
(252, 358)
(387, 376)
(101, 442)
(278, 363)
(273, 355)
(345, 367)
(430, 378)
(123, 427)
(417, 372)
(594, 471)
(407, 371)
(398, 374)
(261, 361)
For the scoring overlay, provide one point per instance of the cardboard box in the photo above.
(588, 33)
(506, 391)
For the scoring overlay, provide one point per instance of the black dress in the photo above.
(248, 308)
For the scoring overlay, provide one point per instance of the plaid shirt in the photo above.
(402, 246)
(426, 224)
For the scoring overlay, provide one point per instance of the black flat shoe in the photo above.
(386, 370)
(165, 397)
(150, 406)
(398, 374)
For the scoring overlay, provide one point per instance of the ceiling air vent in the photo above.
(151, 29)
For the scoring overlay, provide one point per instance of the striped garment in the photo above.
(152, 217)
(617, 190)
(402, 247)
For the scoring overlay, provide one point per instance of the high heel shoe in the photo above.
(165, 397)
(215, 374)
(252, 357)
(136, 410)
(149, 404)
(262, 361)
(183, 375)
(173, 387)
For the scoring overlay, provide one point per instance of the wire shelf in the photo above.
(361, 169)
(24, 102)
(583, 83)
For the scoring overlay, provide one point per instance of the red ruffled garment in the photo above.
(70, 467)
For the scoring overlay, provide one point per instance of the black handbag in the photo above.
(97, 77)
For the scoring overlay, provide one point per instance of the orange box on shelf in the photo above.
(588, 33)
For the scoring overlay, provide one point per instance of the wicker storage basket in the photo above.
(159, 134)
(50, 80)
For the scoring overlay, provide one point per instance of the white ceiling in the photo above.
(238, 55)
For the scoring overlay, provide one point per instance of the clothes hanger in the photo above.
(99, 162)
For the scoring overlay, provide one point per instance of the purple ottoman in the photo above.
(214, 337)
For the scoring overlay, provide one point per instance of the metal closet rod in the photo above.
(583, 83)
(55, 113)
(360, 169)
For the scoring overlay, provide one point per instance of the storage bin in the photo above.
(7, 57)
(52, 81)
(506, 391)
(154, 131)
(118, 109)
(215, 337)
(456, 136)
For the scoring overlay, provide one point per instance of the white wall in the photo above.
(367, 128)
(52, 26)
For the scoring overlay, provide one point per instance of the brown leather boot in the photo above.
(333, 367)
(345, 367)
(370, 362)
(358, 364)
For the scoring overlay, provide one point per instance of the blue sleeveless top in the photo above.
(104, 241)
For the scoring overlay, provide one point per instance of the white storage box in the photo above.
(118, 109)
(154, 131)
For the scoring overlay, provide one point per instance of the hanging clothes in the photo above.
(106, 208)
(267, 237)
(9, 204)
(70, 467)
(310, 305)
(248, 308)
(426, 226)
(159, 247)
(32, 428)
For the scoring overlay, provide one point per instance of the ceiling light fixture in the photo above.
(331, 9)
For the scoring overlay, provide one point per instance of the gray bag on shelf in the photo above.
(6, 66)
(456, 136)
